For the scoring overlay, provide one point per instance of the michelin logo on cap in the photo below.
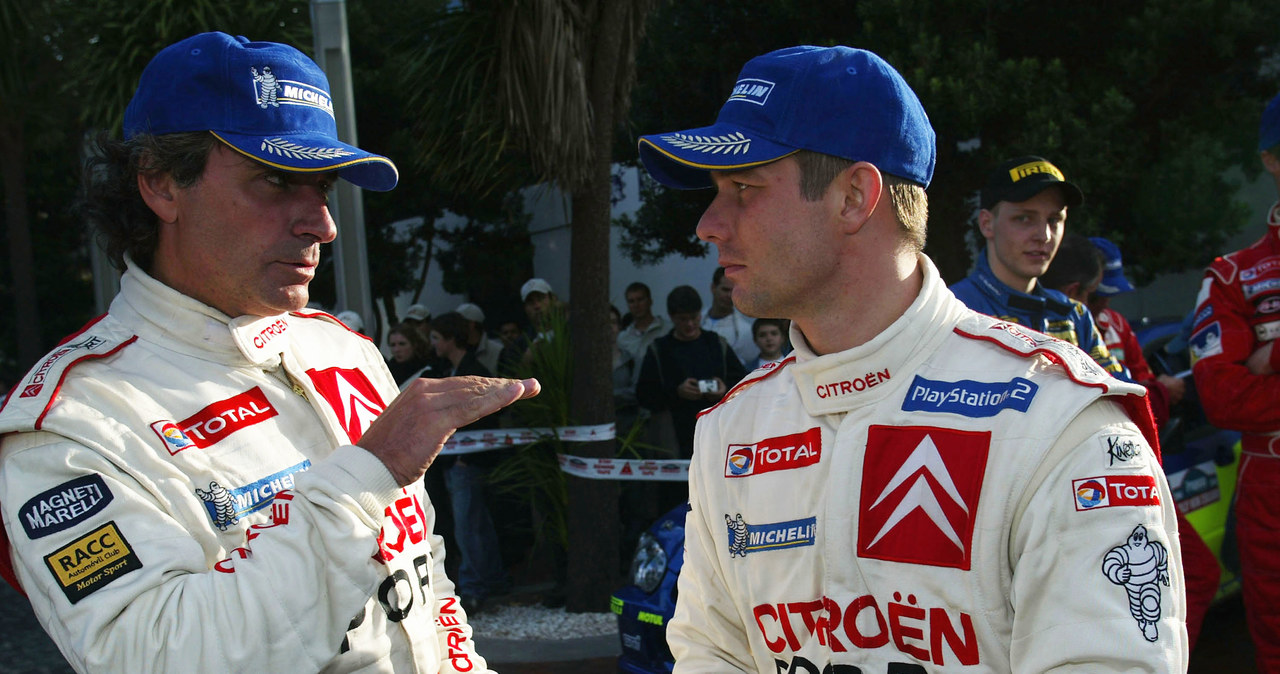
(752, 90)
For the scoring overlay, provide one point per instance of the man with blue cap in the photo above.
(1236, 366)
(211, 478)
(908, 491)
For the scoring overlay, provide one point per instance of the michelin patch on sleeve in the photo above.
(92, 561)
(64, 506)
(1141, 567)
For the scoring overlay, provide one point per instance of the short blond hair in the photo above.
(910, 204)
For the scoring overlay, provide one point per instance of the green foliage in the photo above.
(488, 258)
(1147, 106)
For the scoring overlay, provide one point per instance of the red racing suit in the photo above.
(182, 493)
(1238, 311)
(959, 494)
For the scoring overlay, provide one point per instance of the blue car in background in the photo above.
(1199, 461)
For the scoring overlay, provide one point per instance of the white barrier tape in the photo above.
(467, 442)
(674, 470)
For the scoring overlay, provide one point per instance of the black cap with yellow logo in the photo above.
(1020, 179)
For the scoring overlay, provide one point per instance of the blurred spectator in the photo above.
(487, 350)
(624, 368)
(408, 353)
(417, 317)
(352, 320)
(725, 319)
(1237, 375)
(689, 369)
(635, 337)
(481, 574)
(770, 339)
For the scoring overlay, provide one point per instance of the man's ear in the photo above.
(1071, 289)
(861, 187)
(159, 192)
(1271, 163)
(986, 223)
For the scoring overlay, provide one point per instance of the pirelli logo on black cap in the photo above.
(92, 561)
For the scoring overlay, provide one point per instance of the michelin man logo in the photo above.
(224, 511)
(266, 92)
(1141, 566)
(737, 535)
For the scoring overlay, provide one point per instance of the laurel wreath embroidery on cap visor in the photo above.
(285, 148)
(734, 143)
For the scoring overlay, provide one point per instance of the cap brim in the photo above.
(1114, 286)
(683, 159)
(314, 153)
(1020, 192)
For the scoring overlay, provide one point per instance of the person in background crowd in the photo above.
(909, 492)
(481, 573)
(1237, 373)
(1024, 211)
(486, 349)
(725, 319)
(689, 369)
(352, 320)
(624, 392)
(219, 481)
(417, 317)
(768, 334)
(408, 359)
(1083, 270)
(645, 326)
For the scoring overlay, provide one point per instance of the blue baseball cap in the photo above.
(1269, 129)
(1113, 280)
(266, 100)
(839, 101)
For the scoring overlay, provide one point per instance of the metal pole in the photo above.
(350, 256)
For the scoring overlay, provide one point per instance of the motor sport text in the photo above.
(92, 561)
(782, 453)
(926, 634)
(215, 422)
(269, 333)
(855, 385)
(63, 506)
(969, 398)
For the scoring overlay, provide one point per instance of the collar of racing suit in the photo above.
(1037, 301)
(837, 382)
(164, 316)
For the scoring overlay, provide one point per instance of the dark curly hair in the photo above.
(109, 200)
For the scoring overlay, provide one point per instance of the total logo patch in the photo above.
(745, 539)
(215, 422)
(920, 492)
(64, 506)
(969, 398)
(1269, 305)
(1113, 491)
(92, 561)
(786, 452)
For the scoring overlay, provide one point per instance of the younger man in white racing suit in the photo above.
(921, 488)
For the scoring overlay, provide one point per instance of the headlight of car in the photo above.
(649, 564)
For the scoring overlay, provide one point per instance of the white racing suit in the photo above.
(960, 494)
(182, 493)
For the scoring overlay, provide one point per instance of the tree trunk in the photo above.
(593, 504)
(26, 318)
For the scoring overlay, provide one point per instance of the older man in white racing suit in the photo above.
(920, 488)
(209, 478)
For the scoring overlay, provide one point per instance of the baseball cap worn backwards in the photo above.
(839, 101)
(1021, 178)
(1269, 129)
(266, 100)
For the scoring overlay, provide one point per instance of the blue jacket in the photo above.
(1048, 311)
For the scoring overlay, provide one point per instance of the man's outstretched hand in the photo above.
(410, 433)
